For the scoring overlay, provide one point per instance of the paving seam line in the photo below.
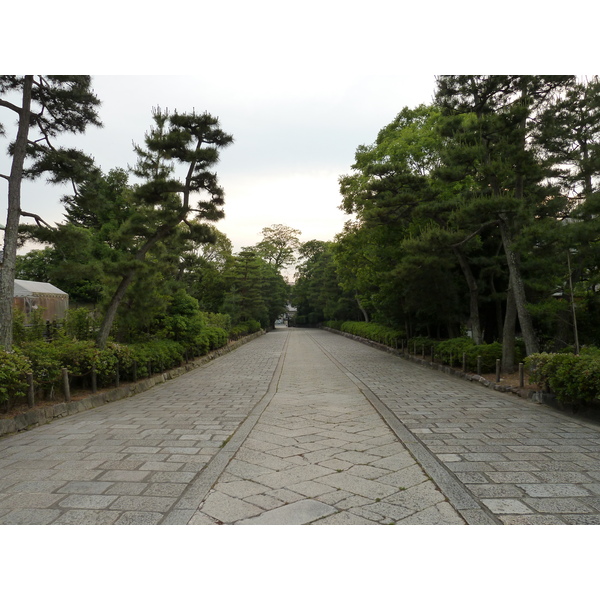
(195, 494)
(471, 510)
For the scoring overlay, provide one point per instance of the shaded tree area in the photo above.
(475, 215)
(139, 249)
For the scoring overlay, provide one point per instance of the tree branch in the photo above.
(11, 106)
(472, 235)
(40, 222)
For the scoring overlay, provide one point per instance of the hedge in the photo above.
(574, 379)
(46, 359)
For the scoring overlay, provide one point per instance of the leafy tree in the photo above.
(279, 245)
(490, 124)
(165, 200)
(202, 270)
(316, 292)
(47, 107)
(257, 291)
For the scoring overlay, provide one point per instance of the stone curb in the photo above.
(40, 416)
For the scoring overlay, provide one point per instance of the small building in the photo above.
(36, 295)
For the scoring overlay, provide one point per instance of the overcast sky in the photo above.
(299, 86)
(293, 138)
(294, 135)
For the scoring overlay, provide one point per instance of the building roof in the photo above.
(35, 288)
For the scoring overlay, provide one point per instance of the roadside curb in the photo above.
(40, 416)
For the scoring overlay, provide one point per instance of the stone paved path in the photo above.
(305, 426)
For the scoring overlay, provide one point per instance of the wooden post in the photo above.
(422, 350)
(94, 380)
(464, 362)
(135, 370)
(497, 370)
(415, 349)
(521, 376)
(479, 365)
(432, 355)
(30, 391)
(66, 388)
(117, 377)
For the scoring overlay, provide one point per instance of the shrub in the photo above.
(217, 337)
(13, 385)
(451, 351)
(156, 355)
(373, 331)
(574, 379)
(81, 324)
(244, 328)
(218, 320)
(422, 343)
(45, 363)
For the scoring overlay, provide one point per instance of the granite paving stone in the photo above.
(300, 421)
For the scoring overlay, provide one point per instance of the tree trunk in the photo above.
(518, 288)
(7, 272)
(508, 333)
(473, 296)
(362, 310)
(111, 311)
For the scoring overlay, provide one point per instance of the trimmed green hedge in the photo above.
(13, 366)
(46, 359)
(574, 379)
(447, 351)
(371, 331)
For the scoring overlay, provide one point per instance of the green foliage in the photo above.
(244, 328)
(218, 320)
(451, 351)
(157, 355)
(421, 343)
(80, 324)
(574, 379)
(373, 331)
(13, 367)
(33, 330)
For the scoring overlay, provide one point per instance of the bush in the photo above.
(373, 331)
(218, 320)
(156, 355)
(574, 379)
(422, 343)
(244, 328)
(217, 337)
(13, 367)
(81, 324)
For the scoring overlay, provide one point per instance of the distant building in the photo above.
(31, 296)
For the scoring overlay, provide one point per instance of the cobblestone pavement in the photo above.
(305, 426)
(525, 463)
(129, 462)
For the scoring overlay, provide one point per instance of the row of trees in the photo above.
(130, 250)
(477, 212)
